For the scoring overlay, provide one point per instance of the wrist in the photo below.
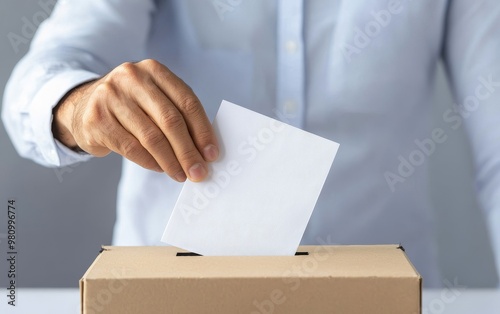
(62, 118)
(61, 123)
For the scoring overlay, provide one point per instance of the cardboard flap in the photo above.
(164, 261)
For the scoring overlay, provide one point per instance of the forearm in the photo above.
(80, 42)
(32, 92)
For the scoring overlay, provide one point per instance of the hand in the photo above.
(143, 112)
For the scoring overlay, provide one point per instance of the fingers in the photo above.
(125, 144)
(195, 118)
(151, 117)
(170, 121)
(129, 147)
(147, 133)
(97, 130)
(104, 133)
(189, 132)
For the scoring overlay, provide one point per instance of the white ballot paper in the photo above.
(260, 193)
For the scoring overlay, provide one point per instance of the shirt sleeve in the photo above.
(471, 53)
(80, 41)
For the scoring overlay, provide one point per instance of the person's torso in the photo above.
(356, 72)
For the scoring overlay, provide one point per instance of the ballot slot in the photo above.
(187, 254)
(195, 254)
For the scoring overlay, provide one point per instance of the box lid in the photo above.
(335, 261)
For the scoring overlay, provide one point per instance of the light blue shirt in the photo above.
(357, 72)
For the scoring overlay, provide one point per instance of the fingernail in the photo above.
(210, 152)
(197, 172)
(181, 176)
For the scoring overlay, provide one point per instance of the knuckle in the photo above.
(152, 138)
(104, 91)
(129, 148)
(91, 118)
(126, 70)
(96, 112)
(94, 116)
(204, 136)
(89, 144)
(191, 106)
(189, 157)
(127, 67)
(172, 167)
(151, 63)
(171, 120)
(157, 69)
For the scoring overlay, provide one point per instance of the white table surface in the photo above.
(447, 300)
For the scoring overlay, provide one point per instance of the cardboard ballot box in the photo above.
(318, 279)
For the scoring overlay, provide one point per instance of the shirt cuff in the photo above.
(55, 153)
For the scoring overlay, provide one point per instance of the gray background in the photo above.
(64, 217)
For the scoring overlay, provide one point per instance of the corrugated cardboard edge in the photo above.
(81, 283)
(400, 247)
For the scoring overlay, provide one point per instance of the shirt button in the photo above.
(291, 46)
(290, 107)
(53, 155)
